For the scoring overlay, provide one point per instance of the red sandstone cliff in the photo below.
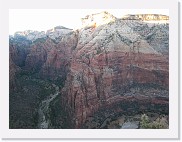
(107, 60)
(51, 56)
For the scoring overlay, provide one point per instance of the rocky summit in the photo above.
(90, 77)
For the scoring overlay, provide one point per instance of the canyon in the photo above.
(90, 77)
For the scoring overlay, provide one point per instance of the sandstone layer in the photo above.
(109, 60)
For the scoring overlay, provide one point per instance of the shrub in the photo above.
(144, 121)
(159, 123)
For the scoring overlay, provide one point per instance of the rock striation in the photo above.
(146, 17)
(47, 53)
(109, 60)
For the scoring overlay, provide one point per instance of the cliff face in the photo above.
(109, 60)
(102, 67)
(51, 56)
(48, 54)
(147, 17)
(38, 61)
(13, 70)
(18, 50)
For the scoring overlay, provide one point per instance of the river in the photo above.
(43, 121)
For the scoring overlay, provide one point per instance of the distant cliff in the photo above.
(146, 17)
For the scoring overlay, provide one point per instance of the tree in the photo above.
(144, 121)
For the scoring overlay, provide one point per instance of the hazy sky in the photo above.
(45, 19)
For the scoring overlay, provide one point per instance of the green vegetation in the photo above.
(144, 121)
(57, 115)
(159, 123)
(99, 50)
(60, 81)
(24, 102)
(39, 40)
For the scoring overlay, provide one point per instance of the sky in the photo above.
(45, 19)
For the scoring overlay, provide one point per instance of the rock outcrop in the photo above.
(51, 56)
(147, 17)
(48, 54)
(108, 61)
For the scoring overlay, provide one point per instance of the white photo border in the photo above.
(171, 133)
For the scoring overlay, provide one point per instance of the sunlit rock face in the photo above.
(58, 32)
(97, 19)
(109, 65)
(146, 17)
(30, 35)
(151, 18)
